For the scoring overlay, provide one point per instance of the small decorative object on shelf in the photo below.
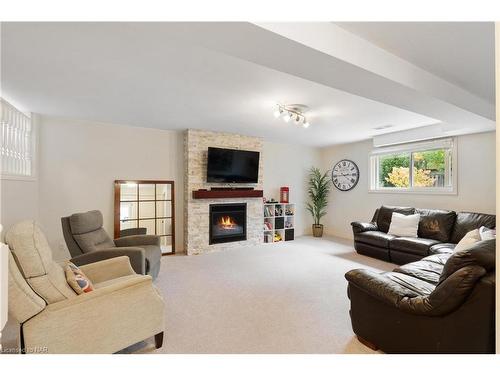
(284, 194)
(279, 222)
(272, 200)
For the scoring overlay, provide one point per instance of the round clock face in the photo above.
(345, 175)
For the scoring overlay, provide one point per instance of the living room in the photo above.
(192, 192)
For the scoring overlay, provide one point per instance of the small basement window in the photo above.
(424, 167)
(16, 142)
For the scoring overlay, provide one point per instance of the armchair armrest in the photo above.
(379, 286)
(136, 255)
(138, 240)
(359, 227)
(105, 292)
(108, 269)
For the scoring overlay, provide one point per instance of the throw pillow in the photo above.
(468, 241)
(77, 279)
(404, 225)
(487, 233)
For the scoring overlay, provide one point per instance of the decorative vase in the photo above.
(317, 230)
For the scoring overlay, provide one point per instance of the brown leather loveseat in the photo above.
(438, 232)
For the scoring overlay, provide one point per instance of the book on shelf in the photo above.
(268, 211)
(268, 225)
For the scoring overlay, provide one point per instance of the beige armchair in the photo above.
(125, 308)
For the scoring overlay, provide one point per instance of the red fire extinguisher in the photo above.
(284, 194)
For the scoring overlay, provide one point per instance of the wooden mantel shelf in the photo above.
(218, 194)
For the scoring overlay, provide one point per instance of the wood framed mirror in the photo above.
(146, 207)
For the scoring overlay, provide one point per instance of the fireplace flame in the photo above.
(227, 222)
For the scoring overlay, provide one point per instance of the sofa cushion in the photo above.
(375, 238)
(481, 254)
(384, 216)
(468, 240)
(404, 225)
(418, 286)
(467, 221)
(426, 270)
(33, 257)
(487, 233)
(442, 248)
(436, 224)
(418, 246)
(85, 222)
(92, 241)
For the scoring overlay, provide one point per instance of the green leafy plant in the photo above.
(319, 188)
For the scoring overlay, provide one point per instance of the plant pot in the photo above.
(317, 230)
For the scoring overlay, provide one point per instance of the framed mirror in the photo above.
(146, 207)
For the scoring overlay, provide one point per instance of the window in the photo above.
(416, 167)
(16, 142)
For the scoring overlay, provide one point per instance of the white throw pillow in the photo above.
(487, 233)
(404, 225)
(468, 240)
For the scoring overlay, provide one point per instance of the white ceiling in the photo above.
(462, 53)
(163, 76)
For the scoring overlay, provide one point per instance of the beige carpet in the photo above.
(273, 298)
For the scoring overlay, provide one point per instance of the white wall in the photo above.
(80, 160)
(476, 184)
(19, 202)
(288, 165)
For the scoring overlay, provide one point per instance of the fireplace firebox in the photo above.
(228, 222)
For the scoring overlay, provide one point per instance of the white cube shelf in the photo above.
(279, 222)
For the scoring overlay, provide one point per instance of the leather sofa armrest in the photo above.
(138, 240)
(379, 286)
(136, 255)
(448, 295)
(359, 227)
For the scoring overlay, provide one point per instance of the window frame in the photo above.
(33, 143)
(410, 148)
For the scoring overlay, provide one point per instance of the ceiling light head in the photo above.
(278, 112)
(292, 112)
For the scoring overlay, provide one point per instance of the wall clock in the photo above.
(345, 175)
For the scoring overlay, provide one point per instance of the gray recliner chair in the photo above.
(88, 242)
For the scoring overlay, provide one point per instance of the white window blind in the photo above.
(16, 141)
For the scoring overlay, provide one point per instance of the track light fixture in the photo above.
(293, 112)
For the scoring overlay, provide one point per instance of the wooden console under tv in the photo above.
(230, 193)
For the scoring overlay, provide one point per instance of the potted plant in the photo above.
(319, 187)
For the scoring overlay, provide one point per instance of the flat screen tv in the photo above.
(232, 166)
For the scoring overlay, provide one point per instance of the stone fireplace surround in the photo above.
(197, 211)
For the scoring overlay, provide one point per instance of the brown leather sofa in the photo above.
(444, 303)
(438, 232)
